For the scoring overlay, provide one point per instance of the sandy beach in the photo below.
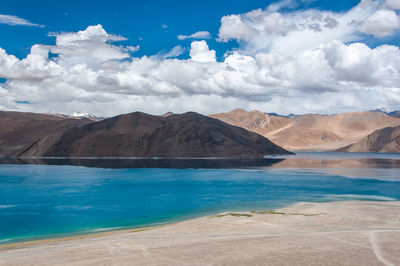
(336, 233)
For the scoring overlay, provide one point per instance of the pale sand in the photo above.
(337, 233)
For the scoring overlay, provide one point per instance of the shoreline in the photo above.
(50, 240)
(364, 227)
(170, 221)
(99, 232)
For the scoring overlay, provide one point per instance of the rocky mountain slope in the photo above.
(19, 130)
(142, 135)
(386, 140)
(312, 131)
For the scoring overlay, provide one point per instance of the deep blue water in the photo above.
(39, 201)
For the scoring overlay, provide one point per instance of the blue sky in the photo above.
(285, 56)
(140, 21)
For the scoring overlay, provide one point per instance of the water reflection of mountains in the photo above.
(337, 163)
(210, 163)
(149, 163)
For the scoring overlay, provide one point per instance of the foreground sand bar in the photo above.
(336, 233)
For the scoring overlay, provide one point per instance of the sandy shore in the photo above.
(336, 233)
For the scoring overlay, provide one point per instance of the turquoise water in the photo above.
(41, 201)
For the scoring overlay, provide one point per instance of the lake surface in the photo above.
(41, 198)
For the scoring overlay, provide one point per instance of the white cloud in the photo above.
(295, 31)
(289, 4)
(174, 52)
(6, 101)
(381, 24)
(90, 46)
(293, 62)
(16, 21)
(232, 27)
(393, 4)
(200, 52)
(196, 35)
(95, 33)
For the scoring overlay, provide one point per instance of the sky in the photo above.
(111, 57)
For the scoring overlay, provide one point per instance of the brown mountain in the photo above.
(19, 130)
(386, 140)
(254, 121)
(142, 135)
(312, 131)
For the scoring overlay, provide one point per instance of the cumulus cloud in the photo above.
(292, 32)
(292, 62)
(200, 52)
(90, 46)
(381, 24)
(234, 28)
(196, 35)
(16, 21)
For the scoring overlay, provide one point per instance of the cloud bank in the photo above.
(288, 62)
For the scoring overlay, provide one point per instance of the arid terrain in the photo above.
(18, 130)
(193, 135)
(129, 135)
(337, 233)
(312, 131)
(386, 140)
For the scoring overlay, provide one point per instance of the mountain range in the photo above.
(129, 135)
(310, 131)
(238, 133)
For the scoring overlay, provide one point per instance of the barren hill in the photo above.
(18, 130)
(142, 135)
(385, 140)
(313, 131)
(254, 121)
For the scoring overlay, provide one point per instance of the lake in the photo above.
(43, 198)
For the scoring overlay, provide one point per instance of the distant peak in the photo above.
(77, 114)
(167, 114)
(239, 110)
(81, 115)
(382, 110)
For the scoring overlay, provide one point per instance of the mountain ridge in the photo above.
(310, 131)
(142, 135)
(18, 130)
(385, 140)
